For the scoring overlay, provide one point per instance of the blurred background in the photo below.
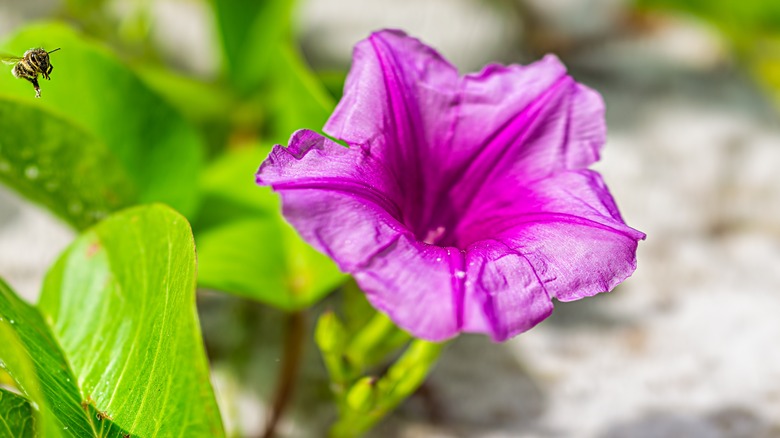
(687, 347)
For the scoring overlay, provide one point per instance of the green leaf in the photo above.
(121, 302)
(245, 246)
(16, 416)
(39, 155)
(746, 16)
(249, 32)
(160, 152)
(230, 192)
(262, 57)
(195, 99)
(264, 259)
(31, 355)
(297, 98)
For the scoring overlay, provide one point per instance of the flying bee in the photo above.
(29, 66)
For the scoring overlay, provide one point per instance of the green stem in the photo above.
(369, 338)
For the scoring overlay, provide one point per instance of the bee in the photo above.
(29, 66)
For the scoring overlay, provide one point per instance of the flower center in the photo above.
(433, 236)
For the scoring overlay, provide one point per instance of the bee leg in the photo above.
(37, 87)
(48, 72)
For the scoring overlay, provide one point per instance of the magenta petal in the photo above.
(560, 129)
(333, 196)
(398, 87)
(313, 161)
(396, 107)
(350, 230)
(575, 196)
(575, 260)
(559, 237)
(334, 207)
(568, 228)
(419, 286)
(531, 118)
(503, 294)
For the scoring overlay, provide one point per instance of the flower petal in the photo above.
(534, 115)
(503, 295)
(575, 260)
(575, 196)
(517, 123)
(348, 228)
(333, 196)
(396, 106)
(567, 228)
(311, 161)
(534, 128)
(419, 286)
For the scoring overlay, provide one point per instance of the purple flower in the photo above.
(464, 203)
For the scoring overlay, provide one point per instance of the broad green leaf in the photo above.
(32, 356)
(333, 82)
(297, 98)
(158, 149)
(195, 99)
(245, 246)
(249, 31)
(229, 190)
(264, 259)
(262, 58)
(210, 107)
(58, 164)
(121, 303)
(16, 415)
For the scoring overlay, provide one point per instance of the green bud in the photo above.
(362, 395)
(330, 334)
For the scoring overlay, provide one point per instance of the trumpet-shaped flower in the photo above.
(463, 203)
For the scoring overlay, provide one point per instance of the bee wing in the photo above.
(8, 59)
